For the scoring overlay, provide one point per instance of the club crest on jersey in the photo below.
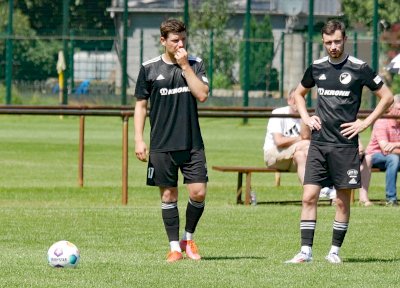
(345, 78)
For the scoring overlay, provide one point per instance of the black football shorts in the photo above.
(329, 165)
(163, 168)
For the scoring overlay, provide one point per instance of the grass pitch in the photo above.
(125, 246)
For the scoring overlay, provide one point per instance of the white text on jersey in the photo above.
(324, 92)
(166, 91)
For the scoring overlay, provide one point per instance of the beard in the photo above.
(335, 55)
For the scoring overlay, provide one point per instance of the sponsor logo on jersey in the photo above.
(377, 79)
(327, 92)
(322, 77)
(345, 78)
(166, 91)
(160, 77)
(352, 173)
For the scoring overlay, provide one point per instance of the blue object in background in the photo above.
(83, 88)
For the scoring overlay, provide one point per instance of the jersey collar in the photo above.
(337, 63)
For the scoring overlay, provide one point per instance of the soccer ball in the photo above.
(63, 254)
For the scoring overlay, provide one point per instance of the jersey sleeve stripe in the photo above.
(155, 59)
(318, 61)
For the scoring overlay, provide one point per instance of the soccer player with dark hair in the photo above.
(333, 157)
(173, 83)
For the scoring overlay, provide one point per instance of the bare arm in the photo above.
(198, 89)
(305, 131)
(353, 128)
(313, 122)
(389, 147)
(283, 141)
(139, 121)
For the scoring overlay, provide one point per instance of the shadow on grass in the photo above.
(216, 258)
(290, 202)
(321, 202)
(370, 260)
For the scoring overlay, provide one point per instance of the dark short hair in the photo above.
(171, 26)
(331, 26)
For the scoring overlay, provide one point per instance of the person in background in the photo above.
(365, 168)
(333, 155)
(286, 144)
(383, 151)
(173, 83)
(287, 140)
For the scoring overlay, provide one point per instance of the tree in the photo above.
(213, 15)
(262, 75)
(361, 11)
(87, 18)
(32, 58)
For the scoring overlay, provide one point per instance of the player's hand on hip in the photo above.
(141, 151)
(314, 123)
(352, 129)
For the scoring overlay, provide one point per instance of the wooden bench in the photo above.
(248, 171)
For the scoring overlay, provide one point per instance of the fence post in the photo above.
(186, 20)
(65, 28)
(141, 46)
(124, 54)
(9, 56)
(355, 44)
(71, 61)
(246, 58)
(125, 160)
(310, 41)
(375, 47)
(210, 65)
(282, 64)
(81, 149)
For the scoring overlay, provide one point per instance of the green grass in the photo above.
(125, 246)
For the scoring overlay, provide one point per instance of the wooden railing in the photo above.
(125, 112)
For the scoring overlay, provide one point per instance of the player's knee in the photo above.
(300, 157)
(197, 192)
(169, 194)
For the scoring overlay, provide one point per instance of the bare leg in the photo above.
(343, 205)
(169, 194)
(309, 202)
(197, 191)
(365, 179)
(300, 158)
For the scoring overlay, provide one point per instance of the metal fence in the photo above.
(95, 63)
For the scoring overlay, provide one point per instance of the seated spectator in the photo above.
(287, 140)
(384, 151)
(286, 144)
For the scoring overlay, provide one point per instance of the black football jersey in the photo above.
(339, 88)
(173, 109)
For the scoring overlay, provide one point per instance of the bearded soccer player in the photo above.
(173, 83)
(333, 157)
